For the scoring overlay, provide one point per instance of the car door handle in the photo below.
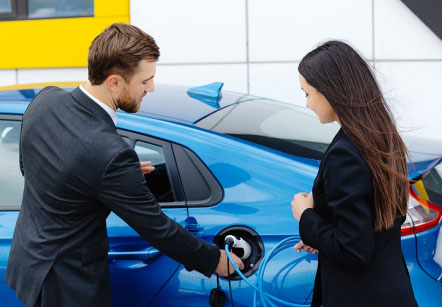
(146, 254)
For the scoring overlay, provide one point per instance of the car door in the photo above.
(138, 270)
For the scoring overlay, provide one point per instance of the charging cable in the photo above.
(266, 298)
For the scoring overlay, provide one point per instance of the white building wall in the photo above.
(7, 77)
(255, 46)
(51, 75)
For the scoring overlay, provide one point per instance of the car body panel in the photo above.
(131, 280)
(7, 226)
(426, 251)
(419, 168)
(427, 291)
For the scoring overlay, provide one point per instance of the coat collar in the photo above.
(91, 105)
(339, 136)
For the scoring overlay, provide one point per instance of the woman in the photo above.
(359, 198)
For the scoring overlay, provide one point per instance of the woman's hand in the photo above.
(301, 201)
(300, 245)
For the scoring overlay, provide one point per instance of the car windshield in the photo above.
(288, 128)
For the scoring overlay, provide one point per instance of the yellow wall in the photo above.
(60, 42)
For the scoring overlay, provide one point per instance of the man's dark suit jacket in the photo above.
(357, 266)
(77, 169)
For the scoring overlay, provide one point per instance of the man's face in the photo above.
(141, 83)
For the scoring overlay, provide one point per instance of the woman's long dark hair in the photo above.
(339, 73)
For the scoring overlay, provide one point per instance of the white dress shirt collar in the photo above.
(108, 109)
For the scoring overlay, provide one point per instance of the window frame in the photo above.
(170, 162)
(20, 10)
(212, 183)
(10, 15)
(170, 151)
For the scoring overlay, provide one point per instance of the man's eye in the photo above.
(306, 95)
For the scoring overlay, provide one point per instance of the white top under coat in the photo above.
(108, 109)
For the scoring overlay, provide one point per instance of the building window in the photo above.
(60, 8)
(43, 9)
(7, 9)
(5, 6)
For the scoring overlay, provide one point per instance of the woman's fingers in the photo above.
(298, 246)
(311, 250)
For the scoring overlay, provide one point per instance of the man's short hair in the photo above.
(118, 50)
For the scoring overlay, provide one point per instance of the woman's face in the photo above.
(318, 103)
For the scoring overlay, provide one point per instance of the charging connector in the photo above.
(240, 243)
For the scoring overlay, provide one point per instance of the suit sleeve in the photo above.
(123, 190)
(20, 159)
(347, 238)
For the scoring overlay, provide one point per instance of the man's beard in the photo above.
(127, 103)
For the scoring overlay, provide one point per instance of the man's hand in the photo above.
(222, 264)
(146, 168)
(301, 201)
(300, 245)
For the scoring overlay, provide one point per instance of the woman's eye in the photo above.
(306, 95)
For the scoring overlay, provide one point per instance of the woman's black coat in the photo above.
(357, 266)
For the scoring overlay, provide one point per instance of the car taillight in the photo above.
(422, 215)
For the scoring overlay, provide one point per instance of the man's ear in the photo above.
(114, 83)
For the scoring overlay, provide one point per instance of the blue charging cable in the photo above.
(266, 298)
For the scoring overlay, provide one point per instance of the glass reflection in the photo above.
(11, 179)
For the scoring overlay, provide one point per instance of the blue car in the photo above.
(226, 164)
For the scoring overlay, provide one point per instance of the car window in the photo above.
(11, 179)
(433, 184)
(158, 181)
(288, 128)
(200, 186)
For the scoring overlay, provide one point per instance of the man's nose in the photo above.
(150, 87)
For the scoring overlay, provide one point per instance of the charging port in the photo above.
(249, 247)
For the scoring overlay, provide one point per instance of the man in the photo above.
(77, 169)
